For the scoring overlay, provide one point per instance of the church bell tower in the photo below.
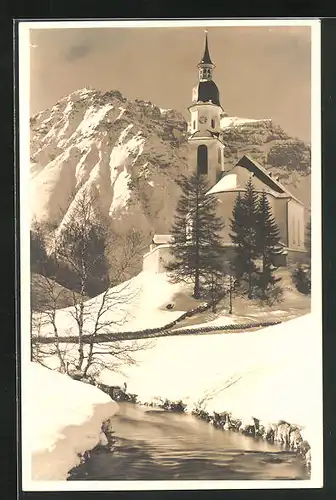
(206, 149)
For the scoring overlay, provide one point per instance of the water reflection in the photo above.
(158, 445)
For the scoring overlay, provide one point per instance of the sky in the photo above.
(261, 72)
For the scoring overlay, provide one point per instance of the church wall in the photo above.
(151, 261)
(156, 260)
(279, 210)
(295, 256)
(209, 112)
(214, 165)
(193, 121)
(226, 203)
(225, 206)
(296, 225)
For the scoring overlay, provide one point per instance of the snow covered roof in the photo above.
(230, 180)
(274, 184)
(226, 183)
(162, 239)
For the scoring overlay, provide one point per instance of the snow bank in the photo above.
(137, 304)
(270, 374)
(62, 418)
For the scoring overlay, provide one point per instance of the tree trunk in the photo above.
(230, 295)
(196, 293)
(249, 282)
(81, 320)
(213, 298)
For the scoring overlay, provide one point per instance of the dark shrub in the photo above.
(301, 277)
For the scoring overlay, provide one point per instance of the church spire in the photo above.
(206, 59)
(205, 66)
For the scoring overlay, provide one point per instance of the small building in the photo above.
(159, 253)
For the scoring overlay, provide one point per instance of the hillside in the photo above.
(129, 153)
(47, 293)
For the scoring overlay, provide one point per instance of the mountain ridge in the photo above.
(129, 153)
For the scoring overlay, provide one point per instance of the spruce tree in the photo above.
(237, 227)
(244, 236)
(197, 250)
(308, 240)
(268, 247)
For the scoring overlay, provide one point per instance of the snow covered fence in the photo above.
(154, 332)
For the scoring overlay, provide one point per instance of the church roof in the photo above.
(206, 59)
(230, 180)
(262, 173)
(226, 183)
(208, 91)
(162, 239)
(206, 133)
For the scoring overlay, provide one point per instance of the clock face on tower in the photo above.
(203, 119)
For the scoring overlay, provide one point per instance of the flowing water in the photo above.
(160, 445)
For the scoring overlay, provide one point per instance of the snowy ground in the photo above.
(61, 418)
(137, 304)
(272, 374)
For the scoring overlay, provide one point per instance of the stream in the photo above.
(160, 445)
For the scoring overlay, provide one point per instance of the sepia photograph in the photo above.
(170, 246)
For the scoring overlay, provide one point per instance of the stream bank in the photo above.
(281, 433)
(147, 443)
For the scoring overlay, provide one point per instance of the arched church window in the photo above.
(219, 156)
(202, 160)
(213, 123)
(194, 124)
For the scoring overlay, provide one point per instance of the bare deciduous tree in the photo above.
(85, 243)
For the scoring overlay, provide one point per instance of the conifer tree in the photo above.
(308, 239)
(244, 236)
(197, 247)
(268, 247)
(302, 273)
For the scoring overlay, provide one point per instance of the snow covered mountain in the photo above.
(129, 153)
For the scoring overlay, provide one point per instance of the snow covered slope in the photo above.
(115, 149)
(135, 305)
(271, 374)
(61, 418)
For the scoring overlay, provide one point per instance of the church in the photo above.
(206, 156)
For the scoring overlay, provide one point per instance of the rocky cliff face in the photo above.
(129, 153)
